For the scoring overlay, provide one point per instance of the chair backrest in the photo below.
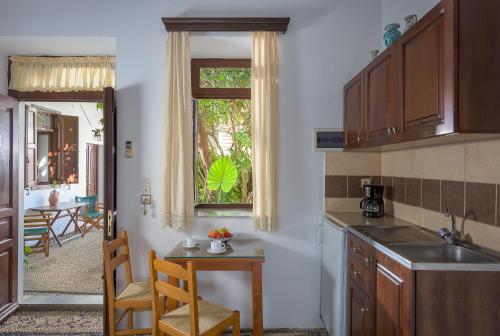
(32, 221)
(112, 261)
(91, 200)
(162, 287)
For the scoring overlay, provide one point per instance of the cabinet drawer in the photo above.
(358, 273)
(360, 250)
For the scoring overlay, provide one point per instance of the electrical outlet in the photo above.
(365, 181)
(146, 185)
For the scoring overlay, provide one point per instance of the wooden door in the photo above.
(426, 76)
(92, 169)
(109, 176)
(30, 148)
(68, 151)
(9, 165)
(358, 313)
(353, 112)
(394, 298)
(380, 99)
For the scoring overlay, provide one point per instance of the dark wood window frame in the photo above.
(72, 96)
(219, 93)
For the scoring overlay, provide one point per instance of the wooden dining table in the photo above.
(61, 210)
(240, 255)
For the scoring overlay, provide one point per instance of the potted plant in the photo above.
(97, 132)
(54, 194)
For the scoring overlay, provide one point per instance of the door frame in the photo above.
(110, 185)
(9, 308)
(108, 97)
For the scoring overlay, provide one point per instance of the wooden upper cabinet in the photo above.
(425, 94)
(354, 112)
(380, 99)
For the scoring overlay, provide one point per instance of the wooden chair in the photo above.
(37, 227)
(136, 296)
(196, 317)
(93, 213)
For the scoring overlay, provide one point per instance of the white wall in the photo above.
(326, 44)
(68, 192)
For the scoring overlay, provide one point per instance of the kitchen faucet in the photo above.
(453, 237)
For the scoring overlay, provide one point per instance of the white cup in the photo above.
(190, 241)
(217, 245)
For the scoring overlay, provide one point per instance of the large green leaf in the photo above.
(222, 175)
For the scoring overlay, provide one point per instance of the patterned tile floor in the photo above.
(89, 323)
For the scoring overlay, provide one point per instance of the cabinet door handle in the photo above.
(363, 313)
(355, 249)
(356, 274)
(367, 261)
(388, 131)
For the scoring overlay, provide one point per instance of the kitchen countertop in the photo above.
(353, 219)
(356, 223)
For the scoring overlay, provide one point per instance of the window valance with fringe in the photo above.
(61, 74)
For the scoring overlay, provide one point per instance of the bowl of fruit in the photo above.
(222, 234)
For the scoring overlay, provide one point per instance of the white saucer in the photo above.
(209, 250)
(190, 247)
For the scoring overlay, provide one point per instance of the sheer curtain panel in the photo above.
(264, 129)
(179, 187)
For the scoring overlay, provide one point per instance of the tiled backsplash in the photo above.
(479, 201)
(421, 183)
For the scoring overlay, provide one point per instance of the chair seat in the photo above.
(135, 291)
(35, 231)
(95, 214)
(209, 315)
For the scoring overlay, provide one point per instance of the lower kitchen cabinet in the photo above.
(393, 307)
(385, 298)
(358, 311)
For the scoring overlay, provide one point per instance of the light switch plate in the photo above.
(146, 185)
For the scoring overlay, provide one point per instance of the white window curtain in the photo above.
(179, 187)
(264, 129)
(62, 74)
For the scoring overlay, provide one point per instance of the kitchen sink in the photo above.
(441, 253)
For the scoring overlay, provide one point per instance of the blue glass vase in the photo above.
(391, 34)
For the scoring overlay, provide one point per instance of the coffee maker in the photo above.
(373, 202)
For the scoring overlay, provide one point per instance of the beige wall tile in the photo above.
(398, 163)
(345, 163)
(406, 212)
(482, 161)
(342, 204)
(439, 162)
(482, 234)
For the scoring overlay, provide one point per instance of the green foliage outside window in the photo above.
(225, 78)
(224, 131)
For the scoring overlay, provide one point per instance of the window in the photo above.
(223, 161)
(51, 147)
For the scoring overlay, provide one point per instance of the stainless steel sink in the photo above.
(441, 253)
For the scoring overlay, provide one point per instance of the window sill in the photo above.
(217, 213)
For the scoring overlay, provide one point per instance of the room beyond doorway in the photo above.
(65, 157)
